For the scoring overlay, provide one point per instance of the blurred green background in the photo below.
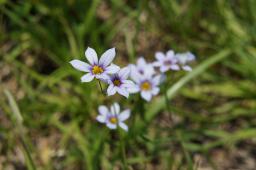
(47, 116)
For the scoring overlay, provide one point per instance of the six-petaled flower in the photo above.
(113, 118)
(97, 68)
(166, 62)
(118, 82)
(184, 59)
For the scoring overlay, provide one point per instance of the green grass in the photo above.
(210, 109)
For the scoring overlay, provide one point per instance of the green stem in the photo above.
(125, 165)
(27, 154)
(101, 88)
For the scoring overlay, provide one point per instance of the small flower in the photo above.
(184, 58)
(113, 118)
(118, 83)
(146, 85)
(143, 67)
(166, 62)
(98, 69)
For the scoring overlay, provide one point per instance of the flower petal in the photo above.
(115, 108)
(156, 80)
(101, 118)
(133, 89)
(141, 62)
(123, 92)
(128, 83)
(123, 126)
(124, 115)
(187, 68)
(91, 56)
(135, 76)
(174, 67)
(80, 65)
(157, 63)
(104, 77)
(103, 110)
(87, 77)
(111, 126)
(146, 95)
(107, 57)
(160, 56)
(124, 72)
(111, 90)
(155, 91)
(164, 68)
(170, 54)
(112, 69)
(190, 56)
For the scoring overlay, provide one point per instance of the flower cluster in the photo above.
(142, 77)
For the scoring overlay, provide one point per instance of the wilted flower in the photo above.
(113, 118)
(98, 69)
(118, 82)
(142, 67)
(184, 59)
(146, 85)
(166, 62)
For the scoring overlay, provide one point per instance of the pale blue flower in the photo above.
(118, 83)
(166, 62)
(184, 59)
(113, 118)
(146, 85)
(142, 67)
(98, 69)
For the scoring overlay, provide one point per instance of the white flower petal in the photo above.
(104, 77)
(133, 89)
(124, 115)
(170, 54)
(80, 65)
(123, 126)
(103, 110)
(87, 77)
(155, 91)
(187, 68)
(107, 57)
(124, 72)
(112, 69)
(174, 67)
(146, 95)
(160, 56)
(190, 56)
(111, 126)
(164, 68)
(101, 118)
(135, 76)
(141, 62)
(149, 70)
(111, 90)
(128, 83)
(91, 56)
(115, 108)
(123, 92)
(156, 80)
(157, 63)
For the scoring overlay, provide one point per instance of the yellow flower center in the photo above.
(97, 70)
(145, 86)
(113, 120)
(117, 82)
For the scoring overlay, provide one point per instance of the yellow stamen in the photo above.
(117, 82)
(97, 70)
(145, 86)
(113, 120)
